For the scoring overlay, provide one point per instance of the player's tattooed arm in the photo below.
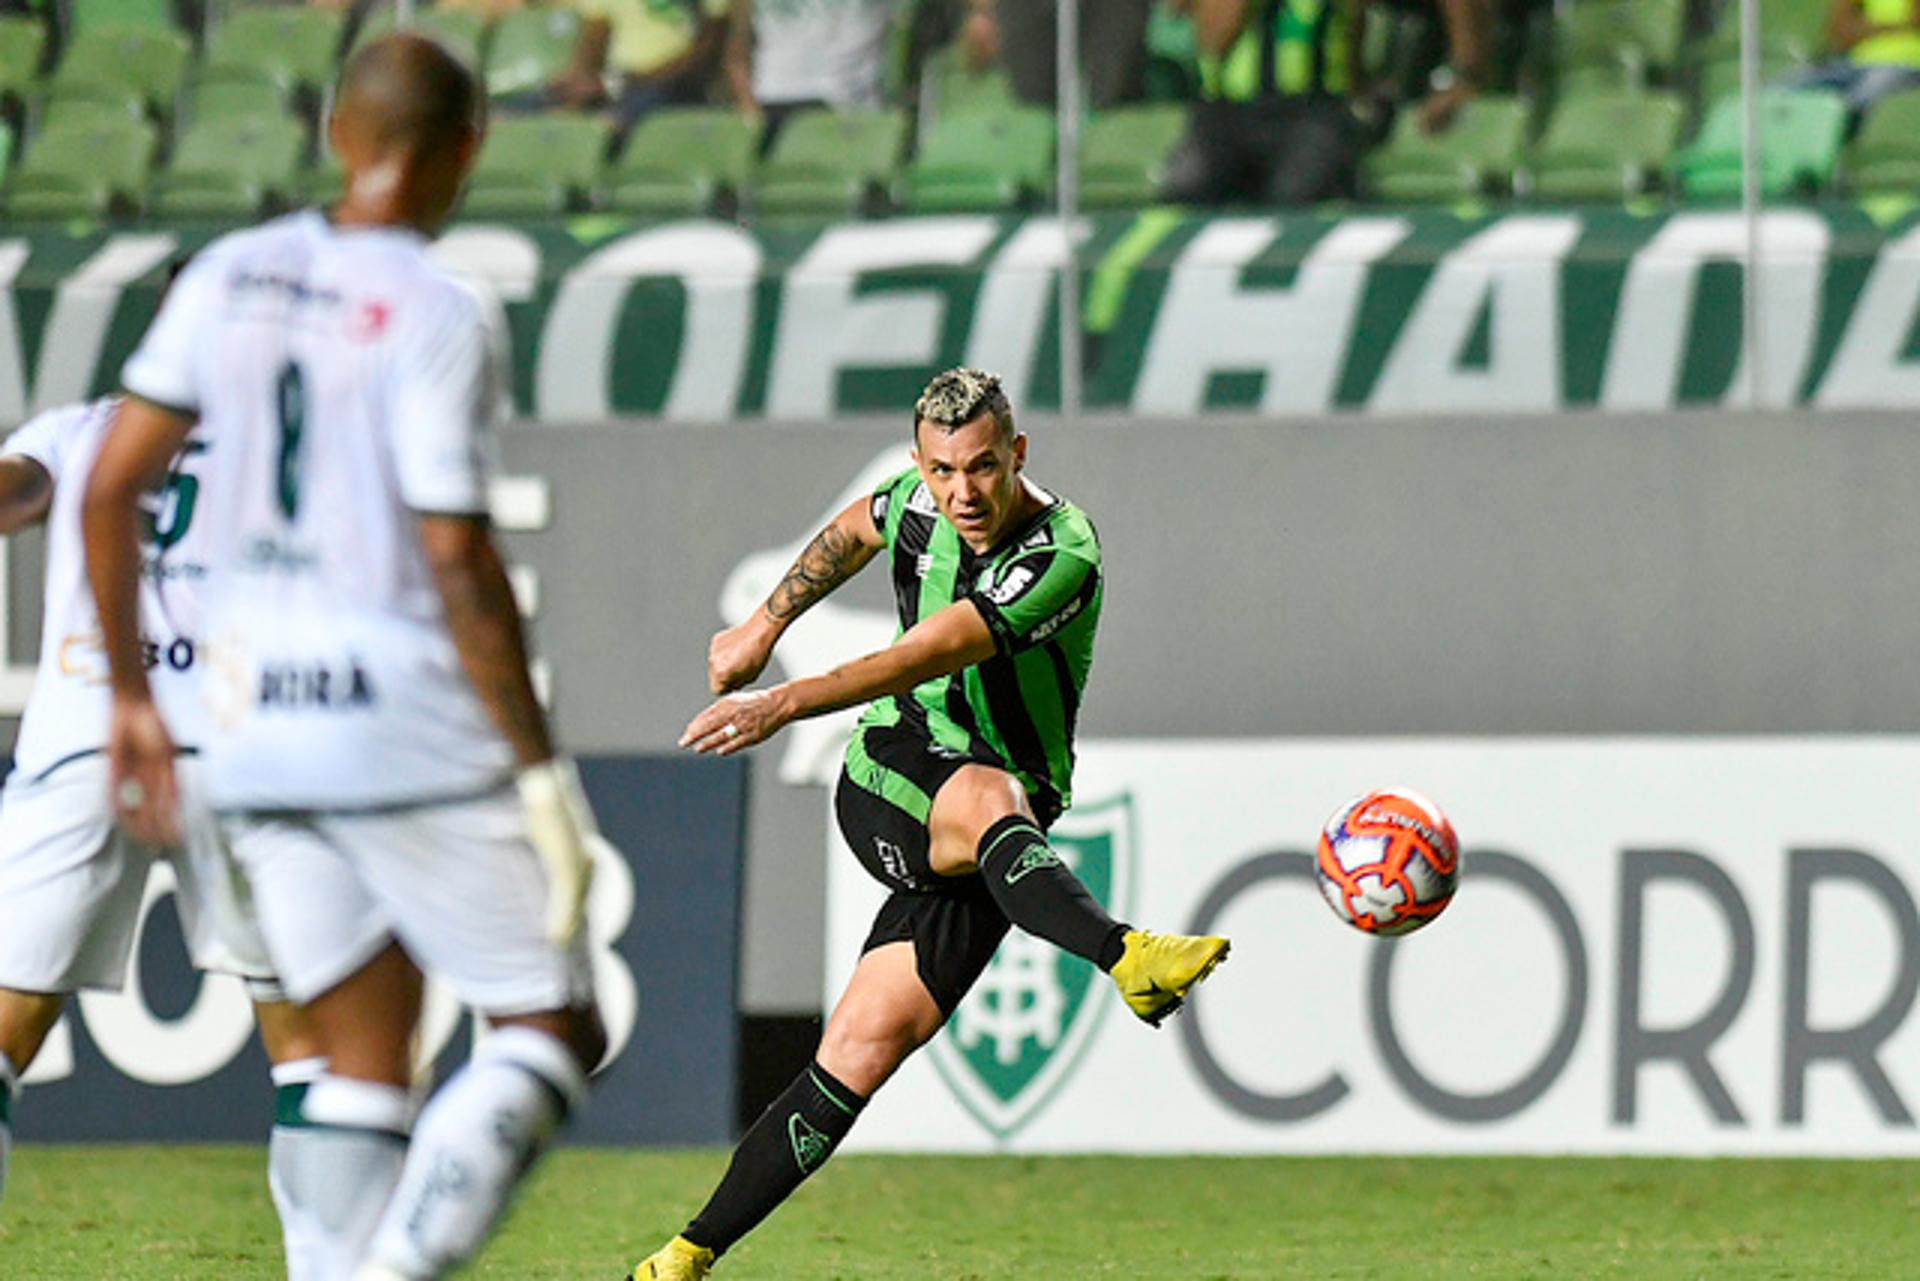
(26, 492)
(835, 555)
(737, 655)
(484, 620)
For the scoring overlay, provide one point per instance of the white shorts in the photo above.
(72, 886)
(458, 885)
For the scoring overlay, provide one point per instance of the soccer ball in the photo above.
(1388, 861)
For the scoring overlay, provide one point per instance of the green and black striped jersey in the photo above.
(1039, 592)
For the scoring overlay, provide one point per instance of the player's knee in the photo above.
(864, 1052)
(969, 803)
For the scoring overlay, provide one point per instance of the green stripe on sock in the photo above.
(832, 1098)
(289, 1106)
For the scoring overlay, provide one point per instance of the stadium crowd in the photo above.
(208, 109)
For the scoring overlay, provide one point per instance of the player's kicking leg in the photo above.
(981, 821)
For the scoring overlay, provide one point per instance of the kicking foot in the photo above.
(1156, 970)
(677, 1260)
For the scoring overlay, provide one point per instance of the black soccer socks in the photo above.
(1035, 889)
(793, 1138)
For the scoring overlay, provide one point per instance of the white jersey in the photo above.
(67, 715)
(344, 385)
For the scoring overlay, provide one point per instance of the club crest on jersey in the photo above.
(316, 686)
(921, 500)
(1030, 1018)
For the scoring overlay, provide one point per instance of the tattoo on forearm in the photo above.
(828, 561)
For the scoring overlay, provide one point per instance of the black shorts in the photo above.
(892, 776)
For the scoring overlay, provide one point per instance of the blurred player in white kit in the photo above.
(71, 886)
(381, 766)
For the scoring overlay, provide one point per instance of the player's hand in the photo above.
(737, 656)
(736, 722)
(561, 826)
(140, 764)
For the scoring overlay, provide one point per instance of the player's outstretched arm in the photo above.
(938, 645)
(26, 492)
(133, 459)
(738, 655)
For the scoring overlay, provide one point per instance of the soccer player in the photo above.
(956, 771)
(71, 886)
(371, 707)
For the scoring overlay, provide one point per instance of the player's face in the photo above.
(973, 473)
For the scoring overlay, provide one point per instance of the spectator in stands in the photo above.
(786, 55)
(1113, 46)
(1273, 123)
(1456, 73)
(636, 55)
(1877, 52)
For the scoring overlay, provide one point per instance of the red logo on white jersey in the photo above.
(369, 321)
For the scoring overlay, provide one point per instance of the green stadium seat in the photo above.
(64, 105)
(294, 47)
(1124, 151)
(1480, 150)
(152, 64)
(216, 94)
(683, 162)
(1800, 136)
(1603, 44)
(831, 162)
(88, 170)
(1884, 158)
(537, 165)
(1605, 146)
(22, 41)
(529, 49)
(93, 15)
(230, 168)
(949, 87)
(980, 161)
(461, 31)
(1719, 78)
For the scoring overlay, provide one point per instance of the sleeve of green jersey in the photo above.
(886, 501)
(1034, 595)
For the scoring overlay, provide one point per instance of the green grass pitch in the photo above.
(203, 1213)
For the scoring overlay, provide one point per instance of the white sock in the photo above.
(474, 1142)
(9, 1086)
(300, 1234)
(342, 1170)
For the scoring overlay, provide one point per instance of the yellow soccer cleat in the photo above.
(677, 1260)
(1156, 970)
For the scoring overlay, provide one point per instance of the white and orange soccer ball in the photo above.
(1388, 861)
